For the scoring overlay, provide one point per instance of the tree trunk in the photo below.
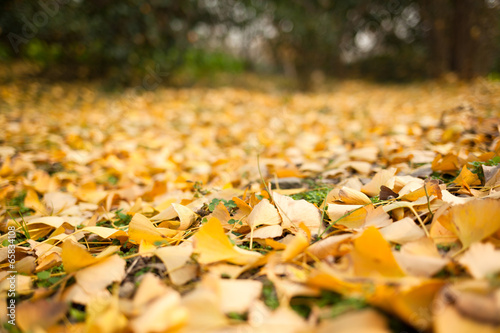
(462, 36)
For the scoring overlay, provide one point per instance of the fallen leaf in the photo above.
(383, 177)
(372, 256)
(40, 314)
(402, 231)
(212, 244)
(142, 229)
(293, 212)
(481, 260)
(468, 221)
(363, 321)
(186, 216)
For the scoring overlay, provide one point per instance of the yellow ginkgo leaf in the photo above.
(75, 257)
(384, 177)
(324, 277)
(293, 212)
(32, 201)
(141, 229)
(186, 216)
(105, 232)
(407, 300)
(298, 244)
(372, 256)
(263, 214)
(353, 197)
(212, 243)
(245, 257)
(473, 221)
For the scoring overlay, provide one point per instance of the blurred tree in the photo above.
(462, 36)
(308, 37)
(92, 38)
(131, 39)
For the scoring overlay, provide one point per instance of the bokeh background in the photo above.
(305, 40)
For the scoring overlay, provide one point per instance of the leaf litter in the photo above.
(365, 208)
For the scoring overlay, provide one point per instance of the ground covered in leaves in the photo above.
(360, 208)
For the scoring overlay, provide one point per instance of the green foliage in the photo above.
(347, 304)
(44, 278)
(337, 303)
(316, 196)
(233, 221)
(77, 315)
(126, 249)
(122, 218)
(199, 191)
(230, 204)
(256, 247)
(237, 316)
(269, 295)
(17, 204)
(11, 328)
(477, 166)
(43, 275)
(444, 177)
(199, 63)
(142, 271)
(113, 180)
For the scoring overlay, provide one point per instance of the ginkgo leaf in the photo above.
(466, 178)
(270, 231)
(91, 281)
(151, 287)
(372, 256)
(383, 177)
(430, 188)
(353, 197)
(473, 221)
(297, 246)
(336, 211)
(328, 247)
(204, 310)
(31, 201)
(104, 315)
(363, 321)
(98, 276)
(186, 216)
(48, 261)
(238, 295)
(293, 212)
(142, 229)
(175, 259)
(212, 243)
(105, 232)
(325, 277)
(39, 314)
(364, 217)
(245, 257)
(283, 319)
(467, 306)
(402, 231)
(58, 201)
(419, 265)
(410, 300)
(263, 214)
(481, 260)
(163, 314)
(75, 257)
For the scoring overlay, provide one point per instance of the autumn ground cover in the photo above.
(358, 208)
